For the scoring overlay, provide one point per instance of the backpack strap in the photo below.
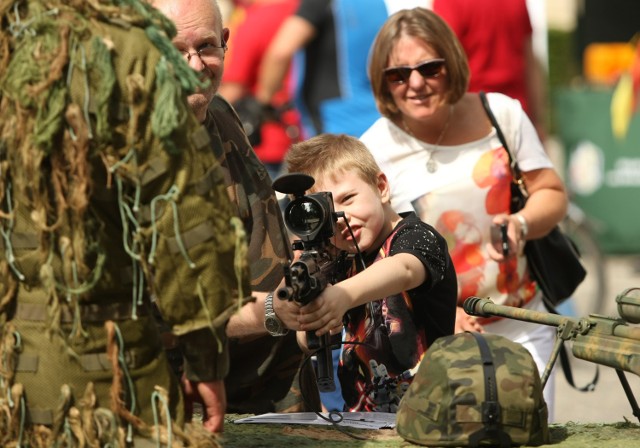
(492, 429)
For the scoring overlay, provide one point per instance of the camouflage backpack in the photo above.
(471, 390)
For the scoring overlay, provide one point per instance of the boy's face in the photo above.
(363, 206)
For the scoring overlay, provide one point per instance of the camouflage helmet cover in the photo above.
(443, 406)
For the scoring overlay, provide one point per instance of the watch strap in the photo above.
(271, 317)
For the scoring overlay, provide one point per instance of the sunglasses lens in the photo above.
(399, 75)
(396, 75)
(430, 69)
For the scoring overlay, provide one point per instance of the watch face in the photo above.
(272, 325)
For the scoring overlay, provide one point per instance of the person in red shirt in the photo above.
(253, 25)
(496, 36)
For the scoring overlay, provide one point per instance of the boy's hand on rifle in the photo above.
(325, 313)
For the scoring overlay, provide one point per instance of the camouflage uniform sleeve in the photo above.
(249, 187)
(186, 238)
(201, 274)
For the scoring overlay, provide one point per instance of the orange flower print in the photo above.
(492, 171)
(464, 241)
(508, 278)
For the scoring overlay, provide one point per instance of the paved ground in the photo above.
(608, 402)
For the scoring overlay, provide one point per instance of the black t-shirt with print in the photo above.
(394, 332)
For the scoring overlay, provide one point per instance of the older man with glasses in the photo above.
(200, 34)
(263, 371)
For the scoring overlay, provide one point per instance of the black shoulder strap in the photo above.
(492, 429)
(517, 174)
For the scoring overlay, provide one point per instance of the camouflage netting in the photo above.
(88, 160)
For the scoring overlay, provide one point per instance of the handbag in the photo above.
(553, 260)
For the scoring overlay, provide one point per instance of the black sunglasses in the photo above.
(401, 74)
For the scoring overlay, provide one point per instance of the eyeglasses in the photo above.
(206, 52)
(401, 74)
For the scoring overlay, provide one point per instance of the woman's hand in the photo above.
(515, 238)
(464, 322)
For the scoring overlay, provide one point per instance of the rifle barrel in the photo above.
(475, 306)
(286, 293)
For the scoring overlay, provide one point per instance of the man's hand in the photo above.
(249, 321)
(213, 396)
(288, 312)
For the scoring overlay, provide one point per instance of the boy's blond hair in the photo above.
(328, 154)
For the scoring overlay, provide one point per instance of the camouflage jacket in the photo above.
(249, 187)
(264, 371)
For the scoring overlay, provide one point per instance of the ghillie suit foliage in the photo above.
(102, 210)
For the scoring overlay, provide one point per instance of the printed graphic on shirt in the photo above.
(465, 221)
(389, 349)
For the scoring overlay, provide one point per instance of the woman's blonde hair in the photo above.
(431, 29)
(328, 154)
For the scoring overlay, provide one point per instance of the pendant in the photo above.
(432, 165)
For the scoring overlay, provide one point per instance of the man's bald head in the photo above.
(172, 7)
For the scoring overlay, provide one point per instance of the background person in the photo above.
(444, 161)
(274, 128)
(497, 37)
(262, 370)
(404, 299)
(334, 37)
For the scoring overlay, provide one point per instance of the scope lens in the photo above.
(304, 216)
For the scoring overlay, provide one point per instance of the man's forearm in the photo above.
(249, 320)
(206, 356)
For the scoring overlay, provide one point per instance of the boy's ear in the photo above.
(383, 188)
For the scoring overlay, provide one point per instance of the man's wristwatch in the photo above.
(271, 322)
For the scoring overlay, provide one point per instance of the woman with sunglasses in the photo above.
(444, 161)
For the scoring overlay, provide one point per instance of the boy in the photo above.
(405, 298)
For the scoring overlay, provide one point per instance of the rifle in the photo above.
(305, 280)
(609, 341)
(313, 219)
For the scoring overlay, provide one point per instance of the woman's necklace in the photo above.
(432, 165)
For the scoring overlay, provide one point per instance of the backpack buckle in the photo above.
(491, 412)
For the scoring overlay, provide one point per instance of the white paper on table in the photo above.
(362, 420)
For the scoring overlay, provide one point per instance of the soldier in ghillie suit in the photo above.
(107, 203)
